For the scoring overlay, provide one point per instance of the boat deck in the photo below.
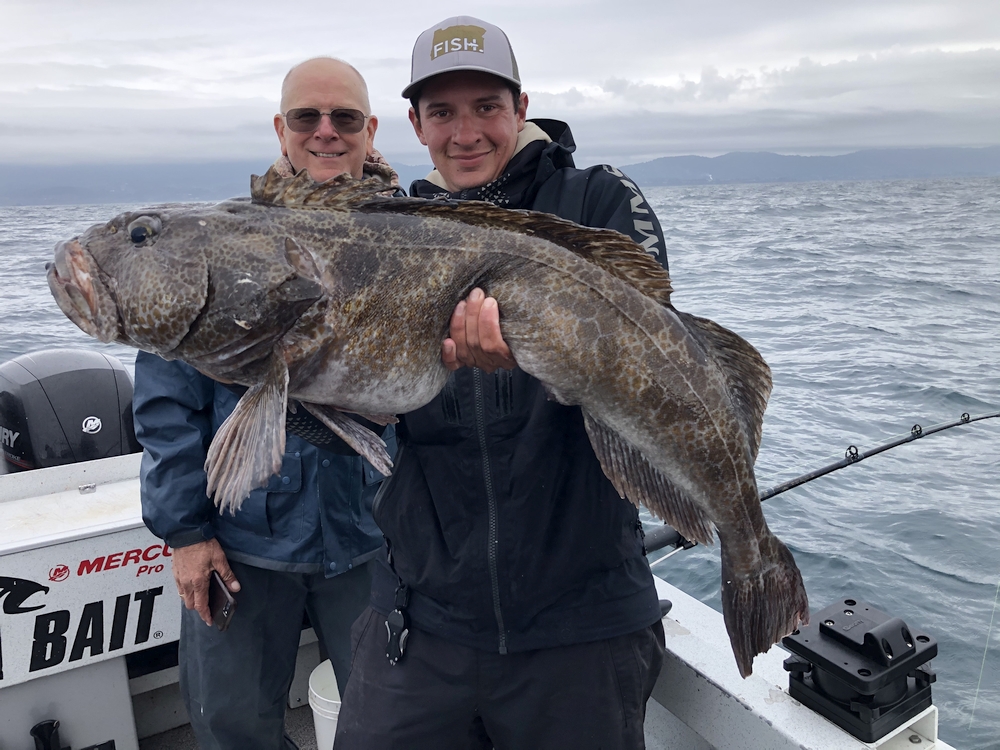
(298, 725)
(74, 537)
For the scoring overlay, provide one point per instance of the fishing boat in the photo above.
(90, 623)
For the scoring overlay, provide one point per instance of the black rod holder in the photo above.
(861, 668)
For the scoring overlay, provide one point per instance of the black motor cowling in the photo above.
(60, 406)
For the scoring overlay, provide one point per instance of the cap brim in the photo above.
(416, 85)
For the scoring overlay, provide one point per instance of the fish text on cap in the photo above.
(458, 39)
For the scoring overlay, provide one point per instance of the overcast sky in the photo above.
(133, 81)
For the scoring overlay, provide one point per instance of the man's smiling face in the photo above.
(325, 85)
(469, 122)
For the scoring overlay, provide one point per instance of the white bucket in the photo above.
(324, 698)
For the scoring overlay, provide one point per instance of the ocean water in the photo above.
(29, 317)
(877, 306)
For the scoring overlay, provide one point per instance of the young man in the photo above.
(304, 543)
(514, 569)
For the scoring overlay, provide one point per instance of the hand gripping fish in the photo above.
(337, 299)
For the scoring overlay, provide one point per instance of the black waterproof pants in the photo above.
(442, 696)
(235, 684)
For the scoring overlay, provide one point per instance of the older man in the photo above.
(515, 607)
(303, 543)
(325, 125)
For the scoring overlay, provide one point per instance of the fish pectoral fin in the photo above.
(379, 419)
(748, 378)
(635, 478)
(360, 438)
(303, 261)
(249, 446)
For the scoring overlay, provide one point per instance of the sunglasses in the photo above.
(307, 120)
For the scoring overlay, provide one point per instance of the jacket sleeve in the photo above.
(172, 405)
(614, 201)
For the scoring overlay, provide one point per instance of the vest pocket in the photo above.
(504, 384)
(281, 490)
(451, 408)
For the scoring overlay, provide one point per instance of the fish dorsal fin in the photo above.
(342, 192)
(748, 377)
(634, 478)
(616, 253)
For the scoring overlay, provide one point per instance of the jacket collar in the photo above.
(375, 166)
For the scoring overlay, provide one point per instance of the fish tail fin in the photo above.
(764, 605)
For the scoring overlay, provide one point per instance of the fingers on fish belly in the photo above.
(250, 445)
(764, 605)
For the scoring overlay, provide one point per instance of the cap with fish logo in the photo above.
(461, 43)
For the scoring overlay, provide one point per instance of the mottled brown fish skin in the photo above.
(331, 296)
(635, 368)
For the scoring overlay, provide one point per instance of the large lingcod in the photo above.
(333, 298)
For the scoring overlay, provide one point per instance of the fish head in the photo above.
(126, 282)
(215, 286)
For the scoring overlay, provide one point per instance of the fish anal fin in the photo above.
(360, 438)
(614, 252)
(249, 446)
(635, 478)
(748, 378)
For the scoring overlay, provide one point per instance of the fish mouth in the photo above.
(78, 293)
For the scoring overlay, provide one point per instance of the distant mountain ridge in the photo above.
(873, 164)
(46, 185)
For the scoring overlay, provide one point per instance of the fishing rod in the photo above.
(666, 536)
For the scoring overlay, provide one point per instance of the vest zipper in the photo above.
(491, 504)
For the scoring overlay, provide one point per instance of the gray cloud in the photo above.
(932, 79)
(115, 80)
(712, 86)
(897, 99)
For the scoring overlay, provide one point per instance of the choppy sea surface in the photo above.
(877, 306)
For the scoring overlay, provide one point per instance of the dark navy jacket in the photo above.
(314, 516)
(498, 516)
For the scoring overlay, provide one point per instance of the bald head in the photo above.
(316, 73)
(325, 85)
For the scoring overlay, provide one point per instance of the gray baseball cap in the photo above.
(461, 43)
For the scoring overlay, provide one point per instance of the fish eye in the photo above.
(143, 230)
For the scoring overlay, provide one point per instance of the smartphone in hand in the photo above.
(220, 601)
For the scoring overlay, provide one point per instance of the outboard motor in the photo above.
(60, 406)
(46, 735)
